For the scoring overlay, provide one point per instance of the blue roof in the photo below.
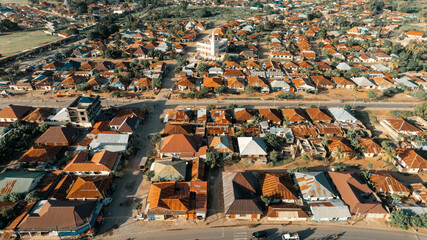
(86, 100)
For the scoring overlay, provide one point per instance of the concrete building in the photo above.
(213, 48)
(84, 110)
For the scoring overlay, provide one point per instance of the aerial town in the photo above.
(220, 119)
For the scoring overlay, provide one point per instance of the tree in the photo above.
(305, 157)
(202, 67)
(156, 138)
(210, 107)
(419, 94)
(220, 89)
(33, 196)
(400, 219)
(212, 159)
(388, 153)
(286, 95)
(370, 165)
(8, 213)
(274, 156)
(421, 110)
(256, 119)
(231, 106)
(156, 83)
(43, 127)
(372, 95)
(84, 87)
(239, 133)
(15, 197)
(338, 154)
(265, 199)
(273, 141)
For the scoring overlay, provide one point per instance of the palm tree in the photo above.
(338, 154)
(394, 63)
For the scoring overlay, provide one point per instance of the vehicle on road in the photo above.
(290, 236)
(259, 234)
(143, 163)
(107, 201)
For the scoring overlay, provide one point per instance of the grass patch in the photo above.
(217, 13)
(401, 113)
(19, 41)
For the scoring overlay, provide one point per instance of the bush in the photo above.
(33, 196)
(220, 89)
(156, 138)
(286, 95)
(389, 92)
(372, 95)
(421, 110)
(419, 94)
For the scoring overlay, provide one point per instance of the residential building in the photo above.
(279, 187)
(252, 147)
(240, 195)
(57, 136)
(180, 145)
(84, 110)
(177, 200)
(169, 170)
(388, 185)
(358, 196)
(59, 218)
(101, 163)
(213, 48)
(21, 182)
(314, 186)
(12, 113)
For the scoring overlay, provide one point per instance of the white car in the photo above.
(290, 236)
(107, 201)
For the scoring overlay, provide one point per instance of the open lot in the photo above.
(18, 41)
(20, 2)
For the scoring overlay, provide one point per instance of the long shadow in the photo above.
(124, 198)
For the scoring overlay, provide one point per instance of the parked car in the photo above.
(107, 201)
(259, 234)
(290, 236)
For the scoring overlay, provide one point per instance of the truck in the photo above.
(290, 236)
(142, 163)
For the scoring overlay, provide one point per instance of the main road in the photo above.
(274, 233)
(172, 103)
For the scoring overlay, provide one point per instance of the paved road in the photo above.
(168, 104)
(274, 233)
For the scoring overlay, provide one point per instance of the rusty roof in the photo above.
(278, 185)
(385, 183)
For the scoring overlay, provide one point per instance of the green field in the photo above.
(18, 41)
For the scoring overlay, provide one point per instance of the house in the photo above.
(372, 148)
(380, 55)
(270, 115)
(212, 82)
(140, 84)
(89, 187)
(278, 84)
(363, 82)
(343, 67)
(252, 147)
(109, 142)
(331, 210)
(177, 200)
(235, 84)
(242, 115)
(169, 170)
(171, 129)
(222, 145)
(240, 195)
(39, 115)
(12, 113)
(295, 115)
(178, 115)
(40, 155)
(322, 82)
(341, 146)
(342, 115)
(57, 136)
(279, 187)
(399, 126)
(124, 124)
(259, 83)
(186, 83)
(358, 196)
(102, 163)
(388, 185)
(419, 192)
(303, 85)
(415, 35)
(60, 218)
(180, 145)
(318, 115)
(21, 182)
(314, 186)
(341, 82)
(286, 213)
(410, 160)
